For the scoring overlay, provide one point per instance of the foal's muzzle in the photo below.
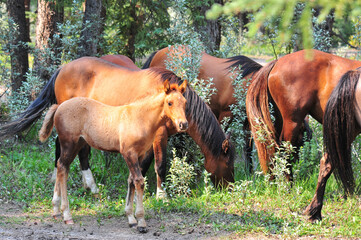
(183, 126)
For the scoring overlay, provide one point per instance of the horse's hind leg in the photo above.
(290, 132)
(314, 209)
(87, 176)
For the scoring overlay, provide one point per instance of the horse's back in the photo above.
(103, 81)
(121, 60)
(306, 79)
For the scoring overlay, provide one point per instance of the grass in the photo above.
(254, 206)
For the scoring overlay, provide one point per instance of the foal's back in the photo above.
(96, 122)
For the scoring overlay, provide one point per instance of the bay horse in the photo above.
(296, 85)
(128, 129)
(221, 72)
(114, 85)
(341, 125)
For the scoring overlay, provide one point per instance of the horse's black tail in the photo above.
(339, 128)
(25, 119)
(149, 60)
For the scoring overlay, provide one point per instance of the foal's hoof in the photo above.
(142, 229)
(132, 225)
(69, 222)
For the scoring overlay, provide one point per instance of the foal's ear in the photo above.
(183, 86)
(225, 146)
(167, 86)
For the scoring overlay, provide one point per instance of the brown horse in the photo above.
(128, 129)
(222, 73)
(341, 125)
(296, 86)
(121, 60)
(114, 85)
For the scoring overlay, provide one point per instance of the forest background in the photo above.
(36, 37)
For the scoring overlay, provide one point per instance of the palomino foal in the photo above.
(128, 129)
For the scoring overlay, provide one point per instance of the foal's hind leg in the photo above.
(68, 153)
(57, 155)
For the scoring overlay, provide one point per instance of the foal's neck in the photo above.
(152, 109)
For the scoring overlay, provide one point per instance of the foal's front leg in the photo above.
(135, 181)
(129, 203)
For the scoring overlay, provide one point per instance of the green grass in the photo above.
(254, 205)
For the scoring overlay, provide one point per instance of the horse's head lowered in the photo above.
(175, 104)
(224, 169)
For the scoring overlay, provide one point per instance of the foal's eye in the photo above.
(170, 104)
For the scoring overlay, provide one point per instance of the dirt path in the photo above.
(15, 224)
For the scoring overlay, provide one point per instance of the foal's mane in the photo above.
(247, 65)
(199, 113)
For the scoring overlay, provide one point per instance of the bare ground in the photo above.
(17, 224)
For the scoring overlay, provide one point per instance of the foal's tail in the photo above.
(149, 60)
(339, 128)
(259, 116)
(33, 112)
(48, 123)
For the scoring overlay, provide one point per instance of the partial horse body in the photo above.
(297, 84)
(128, 129)
(222, 73)
(341, 125)
(114, 85)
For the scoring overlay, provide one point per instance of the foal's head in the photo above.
(175, 104)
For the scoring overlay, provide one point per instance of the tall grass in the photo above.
(252, 206)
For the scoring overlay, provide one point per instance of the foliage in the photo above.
(148, 20)
(267, 9)
(355, 39)
(180, 177)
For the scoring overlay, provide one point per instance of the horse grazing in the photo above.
(114, 85)
(222, 73)
(128, 129)
(341, 125)
(296, 85)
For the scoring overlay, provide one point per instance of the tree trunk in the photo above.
(209, 30)
(89, 37)
(27, 9)
(47, 53)
(19, 52)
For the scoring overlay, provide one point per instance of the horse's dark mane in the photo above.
(149, 60)
(200, 114)
(247, 65)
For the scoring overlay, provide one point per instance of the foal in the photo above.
(128, 129)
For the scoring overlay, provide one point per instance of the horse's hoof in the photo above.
(142, 229)
(69, 222)
(132, 225)
(57, 216)
(314, 219)
(96, 195)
